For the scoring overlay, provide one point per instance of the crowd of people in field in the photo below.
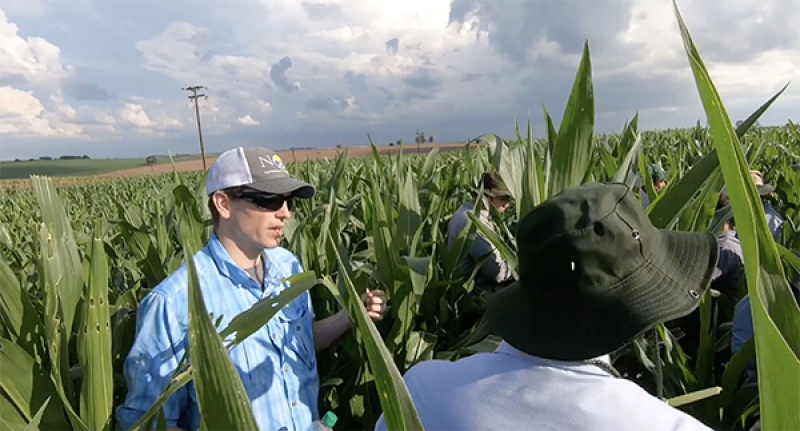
(593, 273)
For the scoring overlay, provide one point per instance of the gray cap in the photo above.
(257, 168)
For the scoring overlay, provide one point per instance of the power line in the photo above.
(194, 98)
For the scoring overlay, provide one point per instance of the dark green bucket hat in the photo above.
(657, 173)
(493, 185)
(594, 273)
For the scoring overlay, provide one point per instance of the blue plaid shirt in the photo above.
(277, 364)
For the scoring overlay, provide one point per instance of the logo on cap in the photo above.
(275, 162)
(278, 162)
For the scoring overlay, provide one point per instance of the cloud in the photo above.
(321, 11)
(23, 8)
(264, 107)
(105, 77)
(392, 45)
(247, 120)
(277, 74)
(80, 89)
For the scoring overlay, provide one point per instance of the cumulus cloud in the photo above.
(392, 45)
(264, 107)
(453, 68)
(247, 120)
(277, 73)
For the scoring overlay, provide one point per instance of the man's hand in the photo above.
(375, 304)
(328, 330)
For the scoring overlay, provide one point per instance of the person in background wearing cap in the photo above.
(726, 279)
(659, 177)
(774, 219)
(594, 273)
(495, 272)
(250, 198)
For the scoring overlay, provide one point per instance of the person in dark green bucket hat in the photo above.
(659, 177)
(593, 274)
(495, 273)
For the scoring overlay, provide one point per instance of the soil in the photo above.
(299, 155)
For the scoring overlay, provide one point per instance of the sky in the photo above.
(105, 77)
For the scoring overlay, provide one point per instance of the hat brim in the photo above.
(285, 186)
(763, 190)
(565, 327)
(497, 194)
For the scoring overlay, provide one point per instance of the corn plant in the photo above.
(75, 260)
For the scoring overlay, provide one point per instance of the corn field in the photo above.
(75, 262)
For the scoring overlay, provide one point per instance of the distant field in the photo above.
(77, 167)
(14, 175)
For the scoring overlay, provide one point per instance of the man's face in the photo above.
(659, 185)
(256, 218)
(501, 203)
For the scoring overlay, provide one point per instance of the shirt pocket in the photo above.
(296, 318)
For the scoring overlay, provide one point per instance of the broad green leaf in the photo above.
(254, 318)
(33, 425)
(775, 313)
(397, 406)
(573, 149)
(28, 386)
(221, 396)
(505, 251)
(94, 341)
(68, 270)
(625, 173)
(19, 318)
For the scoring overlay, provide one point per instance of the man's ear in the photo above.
(223, 203)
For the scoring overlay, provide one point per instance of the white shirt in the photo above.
(511, 390)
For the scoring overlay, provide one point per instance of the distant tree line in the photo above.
(418, 139)
(67, 157)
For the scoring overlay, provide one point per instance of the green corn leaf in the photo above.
(19, 318)
(94, 339)
(397, 406)
(33, 425)
(573, 149)
(29, 387)
(221, 396)
(775, 313)
(254, 318)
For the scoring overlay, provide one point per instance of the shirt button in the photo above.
(274, 336)
(294, 403)
(286, 368)
(298, 327)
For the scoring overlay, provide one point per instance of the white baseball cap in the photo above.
(257, 168)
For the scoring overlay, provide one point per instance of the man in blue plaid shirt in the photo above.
(250, 198)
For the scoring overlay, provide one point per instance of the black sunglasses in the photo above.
(267, 201)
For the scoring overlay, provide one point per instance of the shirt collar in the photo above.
(507, 349)
(228, 267)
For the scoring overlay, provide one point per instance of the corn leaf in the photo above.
(775, 313)
(94, 339)
(398, 408)
(572, 151)
(221, 396)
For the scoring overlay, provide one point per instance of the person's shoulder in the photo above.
(173, 287)
(460, 214)
(281, 255)
(651, 412)
(743, 305)
(283, 261)
(440, 368)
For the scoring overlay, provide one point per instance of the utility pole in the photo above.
(193, 98)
